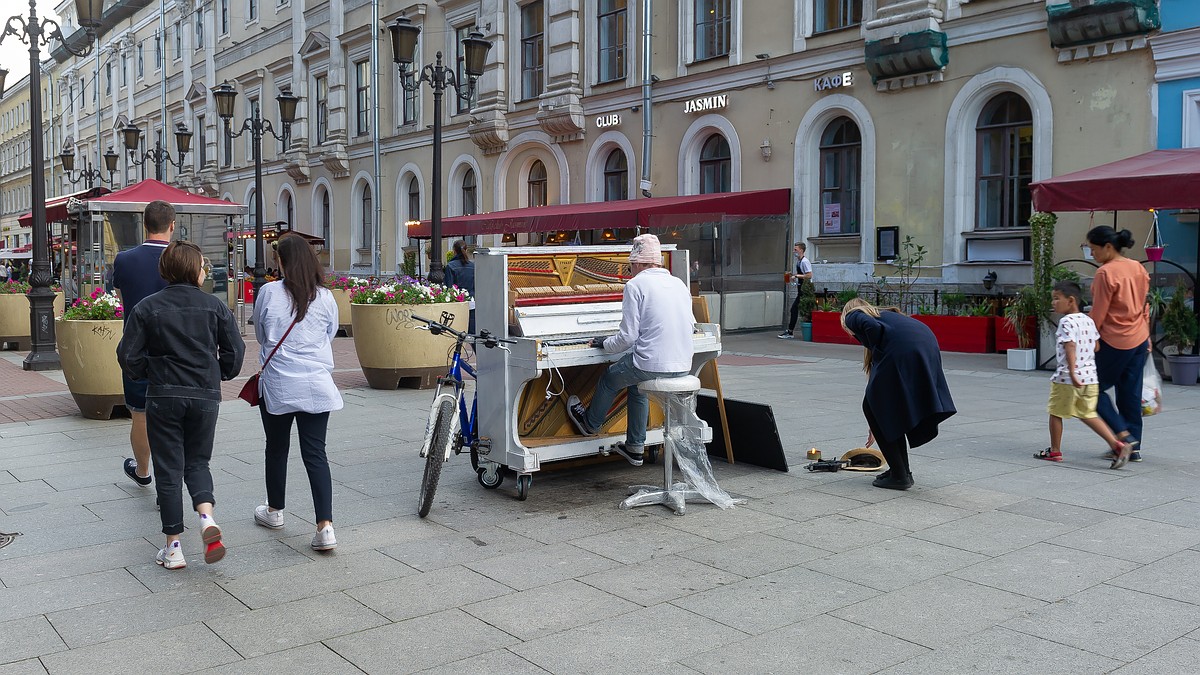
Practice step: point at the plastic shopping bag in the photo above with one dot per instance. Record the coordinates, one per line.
(1151, 389)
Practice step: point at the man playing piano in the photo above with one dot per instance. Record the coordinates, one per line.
(656, 332)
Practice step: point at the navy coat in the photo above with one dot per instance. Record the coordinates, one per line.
(907, 392)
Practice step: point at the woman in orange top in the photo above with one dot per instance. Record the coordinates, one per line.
(1122, 316)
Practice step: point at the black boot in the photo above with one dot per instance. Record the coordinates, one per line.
(890, 482)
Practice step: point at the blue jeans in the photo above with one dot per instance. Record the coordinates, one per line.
(624, 375)
(1121, 368)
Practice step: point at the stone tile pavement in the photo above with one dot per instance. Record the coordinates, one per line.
(994, 562)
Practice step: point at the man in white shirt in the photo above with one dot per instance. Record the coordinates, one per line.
(656, 330)
(803, 275)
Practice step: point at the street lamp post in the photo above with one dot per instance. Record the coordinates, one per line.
(404, 46)
(225, 96)
(38, 33)
(132, 136)
(88, 174)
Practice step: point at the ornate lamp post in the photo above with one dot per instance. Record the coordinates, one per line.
(225, 97)
(132, 135)
(88, 174)
(37, 34)
(404, 46)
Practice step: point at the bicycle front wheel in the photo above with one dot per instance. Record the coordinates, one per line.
(436, 458)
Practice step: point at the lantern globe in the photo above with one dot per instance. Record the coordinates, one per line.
(67, 157)
(131, 136)
(475, 50)
(225, 96)
(404, 40)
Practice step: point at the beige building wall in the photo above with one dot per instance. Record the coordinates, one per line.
(918, 147)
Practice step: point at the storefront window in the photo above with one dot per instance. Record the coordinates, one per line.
(712, 28)
(537, 184)
(1004, 163)
(841, 177)
(716, 172)
(616, 177)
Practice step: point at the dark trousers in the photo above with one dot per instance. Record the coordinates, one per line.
(1121, 368)
(311, 428)
(895, 451)
(181, 434)
(795, 314)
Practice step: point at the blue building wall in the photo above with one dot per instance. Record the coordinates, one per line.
(1179, 14)
(1180, 238)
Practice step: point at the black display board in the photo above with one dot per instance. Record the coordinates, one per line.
(752, 428)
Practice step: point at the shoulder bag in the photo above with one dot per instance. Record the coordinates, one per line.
(249, 392)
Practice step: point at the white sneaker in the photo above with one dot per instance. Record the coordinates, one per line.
(171, 558)
(324, 539)
(264, 516)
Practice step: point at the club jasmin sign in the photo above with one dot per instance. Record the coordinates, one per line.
(609, 120)
(845, 79)
(706, 103)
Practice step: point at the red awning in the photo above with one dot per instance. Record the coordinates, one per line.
(645, 213)
(135, 198)
(56, 208)
(1161, 179)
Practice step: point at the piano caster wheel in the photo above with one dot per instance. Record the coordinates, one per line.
(652, 455)
(523, 483)
(491, 481)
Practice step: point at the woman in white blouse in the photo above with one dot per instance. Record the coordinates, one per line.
(297, 384)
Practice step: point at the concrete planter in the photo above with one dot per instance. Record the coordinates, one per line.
(14, 318)
(88, 350)
(1021, 359)
(391, 351)
(342, 298)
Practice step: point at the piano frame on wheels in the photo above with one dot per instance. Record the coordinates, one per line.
(522, 392)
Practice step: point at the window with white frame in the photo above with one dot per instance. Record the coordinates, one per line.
(367, 215)
(841, 177)
(414, 199)
(178, 40)
(326, 219)
(713, 19)
(836, 14)
(199, 29)
(537, 184)
(108, 78)
(533, 49)
(321, 92)
(141, 60)
(613, 33)
(1004, 163)
(409, 107)
(470, 194)
(1191, 119)
(223, 17)
(158, 54)
(716, 165)
(124, 69)
(201, 142)
(460, 105)
(251, 10)
(362, 88)
(616, 176)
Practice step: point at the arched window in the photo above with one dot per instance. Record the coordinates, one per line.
(326, 220)
(414, 199)
(287, 211)
(1003, 163)
(367, 238)
(470, 195)
(537, 184)
(616, 176)
(716, 168)
(841, 177)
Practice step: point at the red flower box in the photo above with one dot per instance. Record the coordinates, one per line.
(1006, 339)
(971, 334)
(827, 327)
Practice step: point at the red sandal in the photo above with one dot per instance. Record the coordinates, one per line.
(1050, 455)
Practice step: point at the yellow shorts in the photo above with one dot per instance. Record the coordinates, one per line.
(1067, 401)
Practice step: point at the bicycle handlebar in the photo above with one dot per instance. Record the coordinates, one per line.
(483, 336)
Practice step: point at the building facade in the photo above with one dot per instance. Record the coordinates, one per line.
(15, 179)
(927, 116)
(1177, 76)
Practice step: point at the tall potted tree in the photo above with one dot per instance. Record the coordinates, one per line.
(88, 334)
(1179, 334)
(1021, 317)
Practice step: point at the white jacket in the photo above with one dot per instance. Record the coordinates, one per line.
(656, 321)
(300, 375)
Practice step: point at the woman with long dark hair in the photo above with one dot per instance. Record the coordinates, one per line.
(297, 385)
(460, 271)
(1122, 316)
(907, 396)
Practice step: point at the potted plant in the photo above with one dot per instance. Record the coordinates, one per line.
(14, 312)
(1154, 244)
(808, 303)
(390, 350)
(88, 334)
(1180, 333)
(1020, 321)
(342, 288)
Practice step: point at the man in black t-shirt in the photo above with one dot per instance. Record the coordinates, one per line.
(135, 277)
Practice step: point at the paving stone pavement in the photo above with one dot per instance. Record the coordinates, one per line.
(994, 562)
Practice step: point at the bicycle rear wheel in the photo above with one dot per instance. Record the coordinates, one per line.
(436, 457)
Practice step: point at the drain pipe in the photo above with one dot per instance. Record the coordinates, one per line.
(377, 254)
(647, 114)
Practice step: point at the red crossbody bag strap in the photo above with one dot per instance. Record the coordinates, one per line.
(272, 354)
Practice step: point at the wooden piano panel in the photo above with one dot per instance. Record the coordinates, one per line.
(540, 418)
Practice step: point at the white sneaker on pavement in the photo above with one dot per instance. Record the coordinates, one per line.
(171, 557)
(263, 515)
(324, 539)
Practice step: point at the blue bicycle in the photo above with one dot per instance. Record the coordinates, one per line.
(448, 433)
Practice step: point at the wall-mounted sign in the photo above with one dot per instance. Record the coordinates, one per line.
(706, 103)
(831, 222)
(845, 79)
(609, 120)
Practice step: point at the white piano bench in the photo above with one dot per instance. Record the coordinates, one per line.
(671, 494)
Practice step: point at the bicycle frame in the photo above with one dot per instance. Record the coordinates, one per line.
(466, 433)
